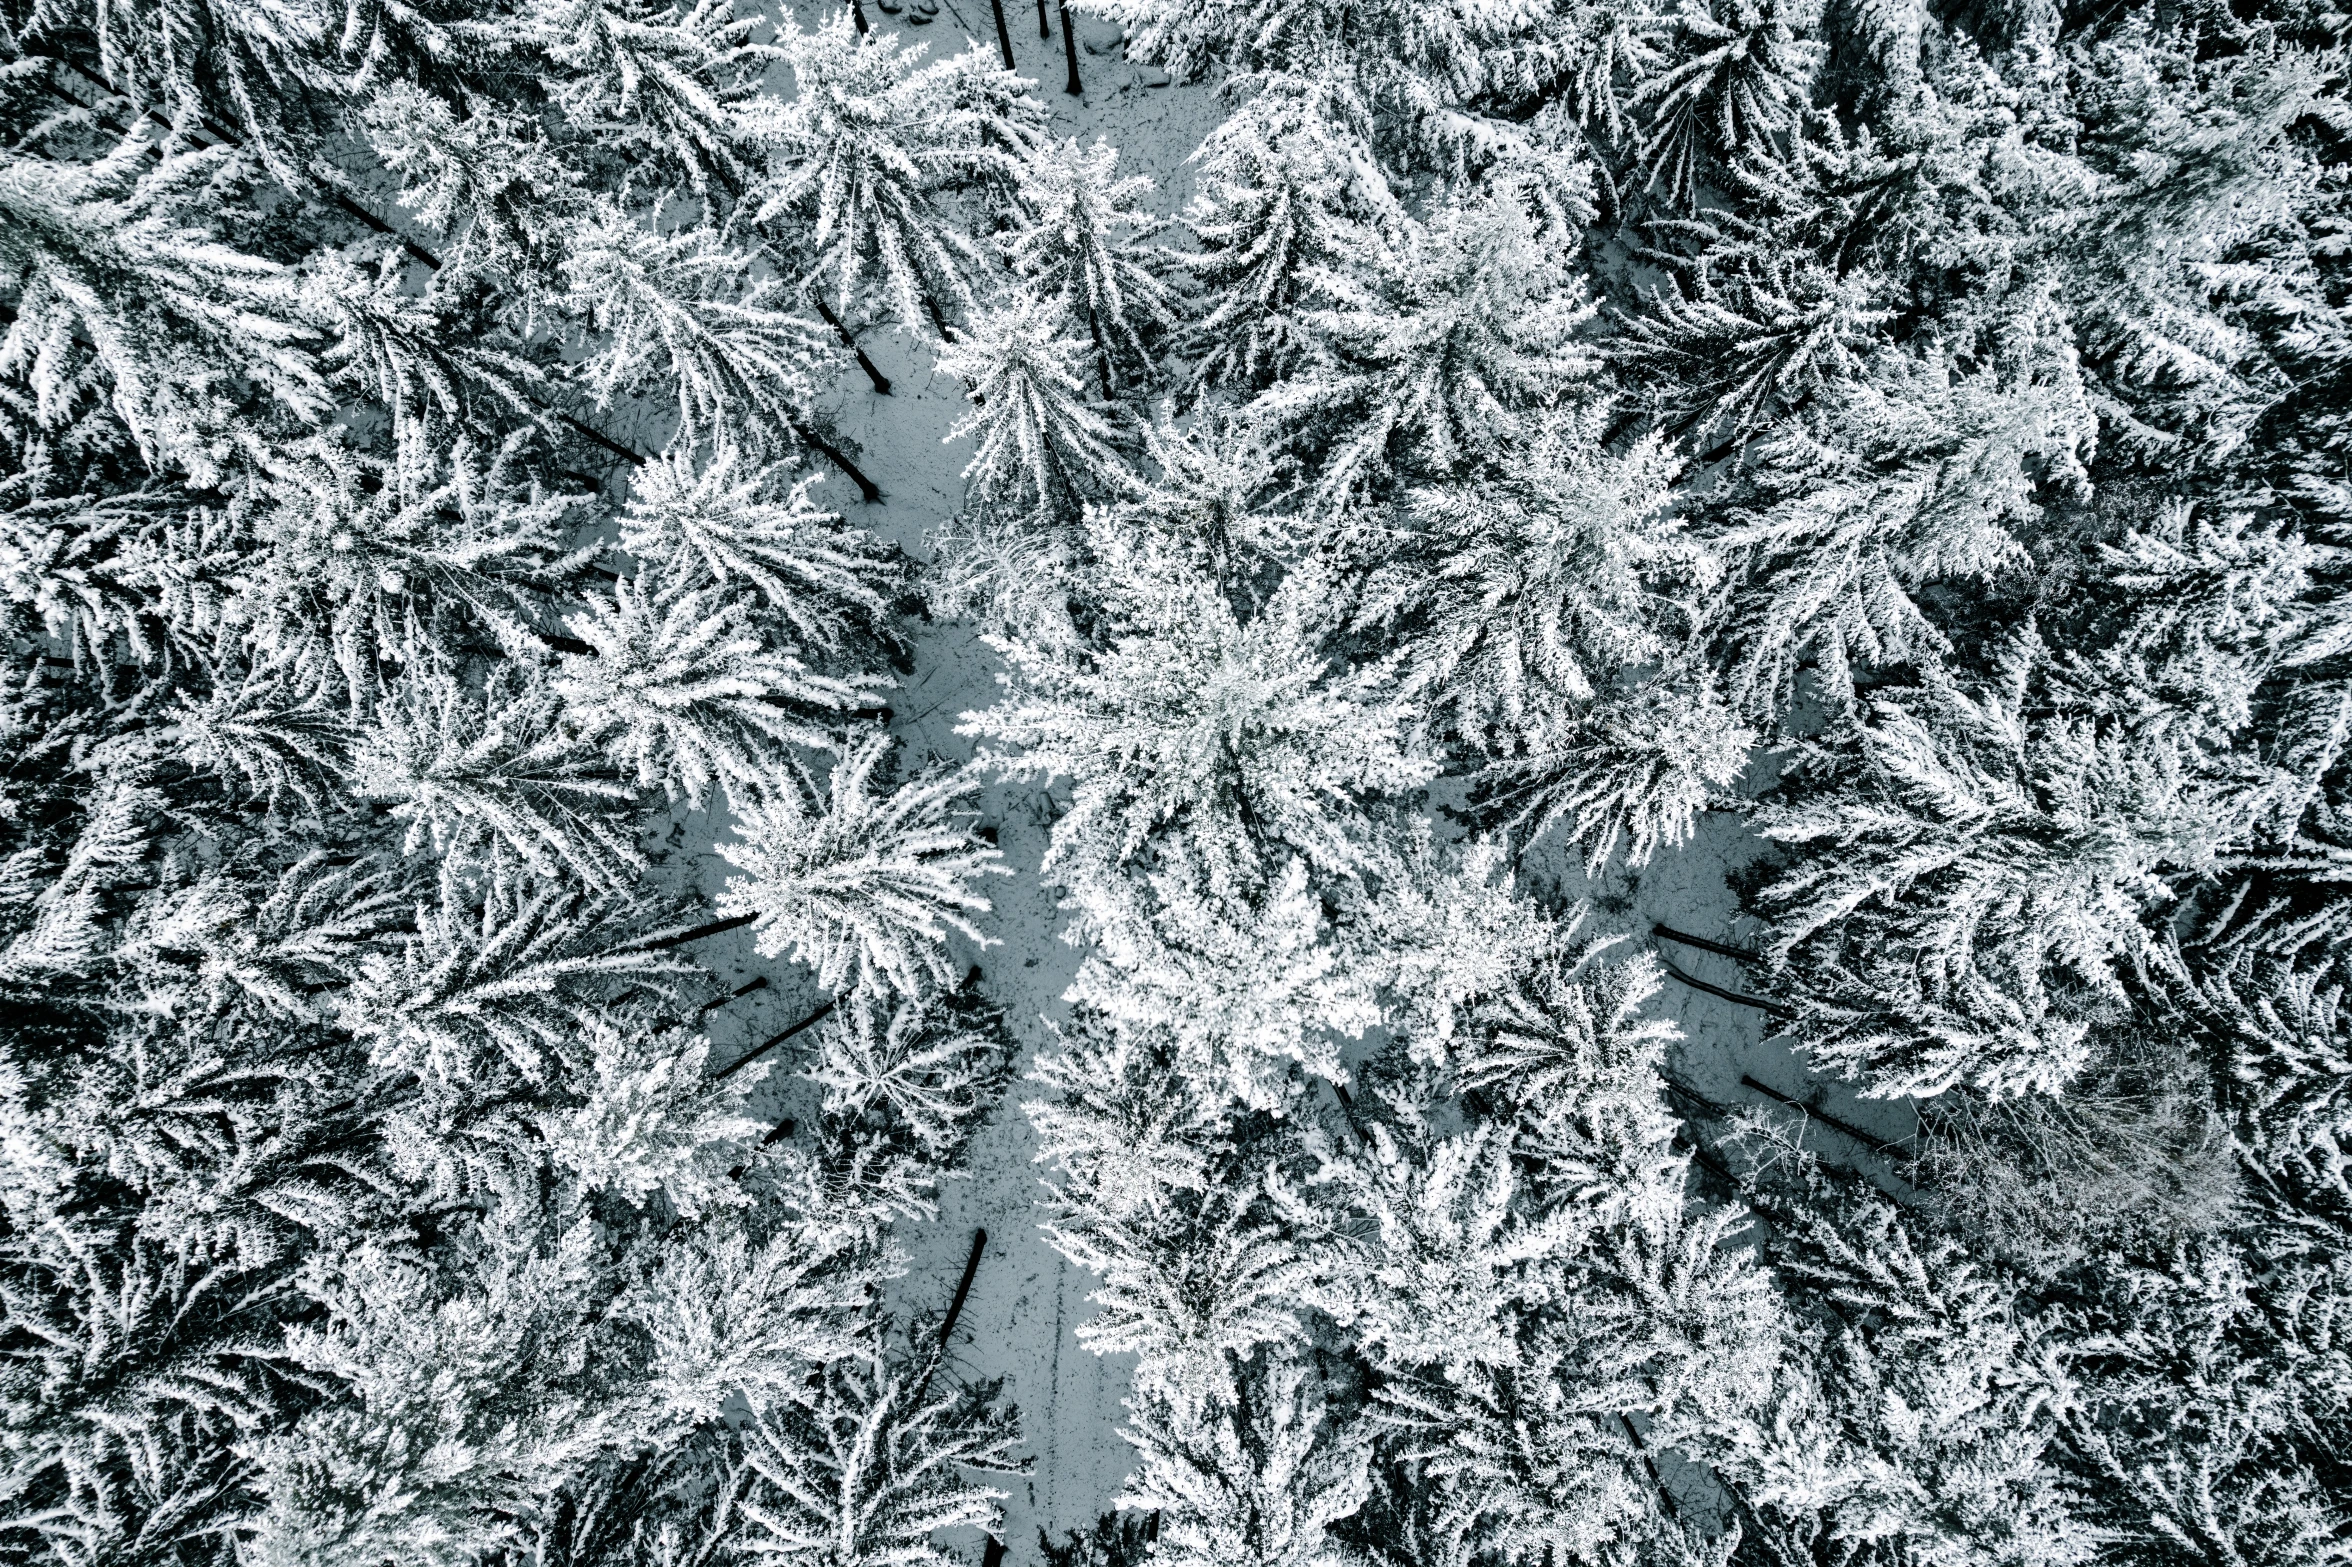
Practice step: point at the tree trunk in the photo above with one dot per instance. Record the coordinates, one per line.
(857, 14)
(737, 994)
(867, 488)
(1705, 1160)
(698, 933)
(1347, 1107)
(1070, 50)
(1665, 1497)
(1877, 1145)
(1102, 355)
(1758, 1002)
(749, 1056)
(1004, 39)
(1704, 945)
(627, 454)
(881, 381)
(1043, 31)
(955, 1307)
(938, 320)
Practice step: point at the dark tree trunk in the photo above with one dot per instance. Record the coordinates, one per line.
(938, 320)
(749, 1056)
(1705, 1160)
(881, 381)
(1878, 1145)
(955, 1307)
(1102, 355)
(1004, 39)
(867, 488)
(1070, 51)
(1704, 945)
(857, 14)
(1043, 31)
(627, 454)
(1665, 1497)
(1758, 1002)
(1347, 1107)
(737, 994)
(698, 933)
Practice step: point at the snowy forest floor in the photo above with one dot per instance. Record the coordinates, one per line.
(1026, 1301)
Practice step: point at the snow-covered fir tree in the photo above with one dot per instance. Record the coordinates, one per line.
(1081, 243)
(1042, 443)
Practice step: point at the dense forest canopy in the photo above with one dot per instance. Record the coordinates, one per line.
(1916, 434)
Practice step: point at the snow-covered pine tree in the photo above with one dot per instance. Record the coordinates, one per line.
(1910, 482)
(929, 1067)
(2208, 1405)
(499, 979)
(1635, 770)
(1431, 349)
(686, 312)
(115, 287)
(1254, 984)
(1194, 1295)
(1083, 244)
(1735, 81)
(1238, 736)
(863, 155)
(1427, 80)
(500, 198)
(1429, 1262)
(680, 690)
(1539, 1305)
(1979, 883)
(1044, 445)
(1261, 1481)
(668, 86)
(2189, 171)
(1924, 1414)
(433, 380)
(2272, 1001)
(1122, 1144)
(1279, 192)
(1210, 488)
(495, 774)
(722, 519)
(1158, 1198)
(1537, 587)
(1546, 609)
(865, 1466)
(859, 876)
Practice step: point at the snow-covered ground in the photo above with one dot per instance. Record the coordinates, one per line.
(1026, 1302)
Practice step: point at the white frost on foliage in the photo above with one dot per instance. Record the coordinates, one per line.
(862, 883)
